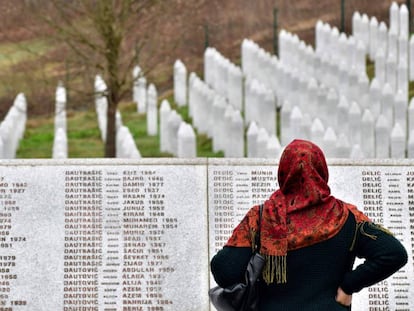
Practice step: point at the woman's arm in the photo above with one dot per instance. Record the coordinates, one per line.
(229, 265)
(383, 254)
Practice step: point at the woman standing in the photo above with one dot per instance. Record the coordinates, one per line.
(310, 240)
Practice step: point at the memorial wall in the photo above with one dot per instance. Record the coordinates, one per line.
(107, 234)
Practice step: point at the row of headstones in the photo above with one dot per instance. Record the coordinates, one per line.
(176, 136)
(315, 98)
(146, 99)
(364, 147)
(321, 101)
(60, 140)
(12, 127)
(388, 107)
(213, 115)
(125, 143)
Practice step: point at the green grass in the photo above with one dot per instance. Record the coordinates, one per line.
(84, 138)
(38, 139)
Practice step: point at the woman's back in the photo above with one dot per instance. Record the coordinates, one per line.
(314, 274)
(309, 239)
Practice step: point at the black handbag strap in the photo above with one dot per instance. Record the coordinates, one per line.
(259, 224)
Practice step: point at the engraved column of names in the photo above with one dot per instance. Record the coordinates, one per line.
(410, 193)
(372, 200)
(110, 284)
(224, 211)
(263, 184)
(372, 195)
(9, 209)
(242, 197)
(234, 193)
(396, 220)
(83, 238)
(145, 222)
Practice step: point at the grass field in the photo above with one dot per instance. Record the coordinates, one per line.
(84, 138)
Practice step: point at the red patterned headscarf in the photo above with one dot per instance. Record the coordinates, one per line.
(299, 214)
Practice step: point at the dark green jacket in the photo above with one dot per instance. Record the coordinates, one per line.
(314, 273)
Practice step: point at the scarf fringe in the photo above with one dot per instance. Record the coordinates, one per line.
(275, 269)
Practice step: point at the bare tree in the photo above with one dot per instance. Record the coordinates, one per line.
(101, 37)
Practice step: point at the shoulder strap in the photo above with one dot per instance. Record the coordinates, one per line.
(259, 223)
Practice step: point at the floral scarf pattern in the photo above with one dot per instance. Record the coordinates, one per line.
(302, 212)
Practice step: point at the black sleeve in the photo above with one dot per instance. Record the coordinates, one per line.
(383, 255)
(229, 265)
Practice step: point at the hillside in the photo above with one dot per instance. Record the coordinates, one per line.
(181, 32)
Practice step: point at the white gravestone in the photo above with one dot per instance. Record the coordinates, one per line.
(1, 148)
(60, 144)
(141, 95)
(187, 144)
(375, 97)
(173, 124)
(342, 115)
(317, 131)
(219, 107)
(262, 142)
(368, 134)
(152, 111)
(274, 149)
(411, 116)
(382, 138)
(237, 135)
(411, 60)
(380, 66)
(391, 72)
(101, 105)
(13, 126)
(296, 118)
(252, 133)
(404, 21)
(125, 144)
(410, 146)
(60, 107)
(235, 87)
(373, 37)
(354, 117)
(328, 144)
(343, 146)
(398, 141)
(285, 127)
(394, 18)
(387, 104)
(180, 83)
(165, 110)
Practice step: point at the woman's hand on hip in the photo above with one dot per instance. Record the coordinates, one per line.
(343, 298)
